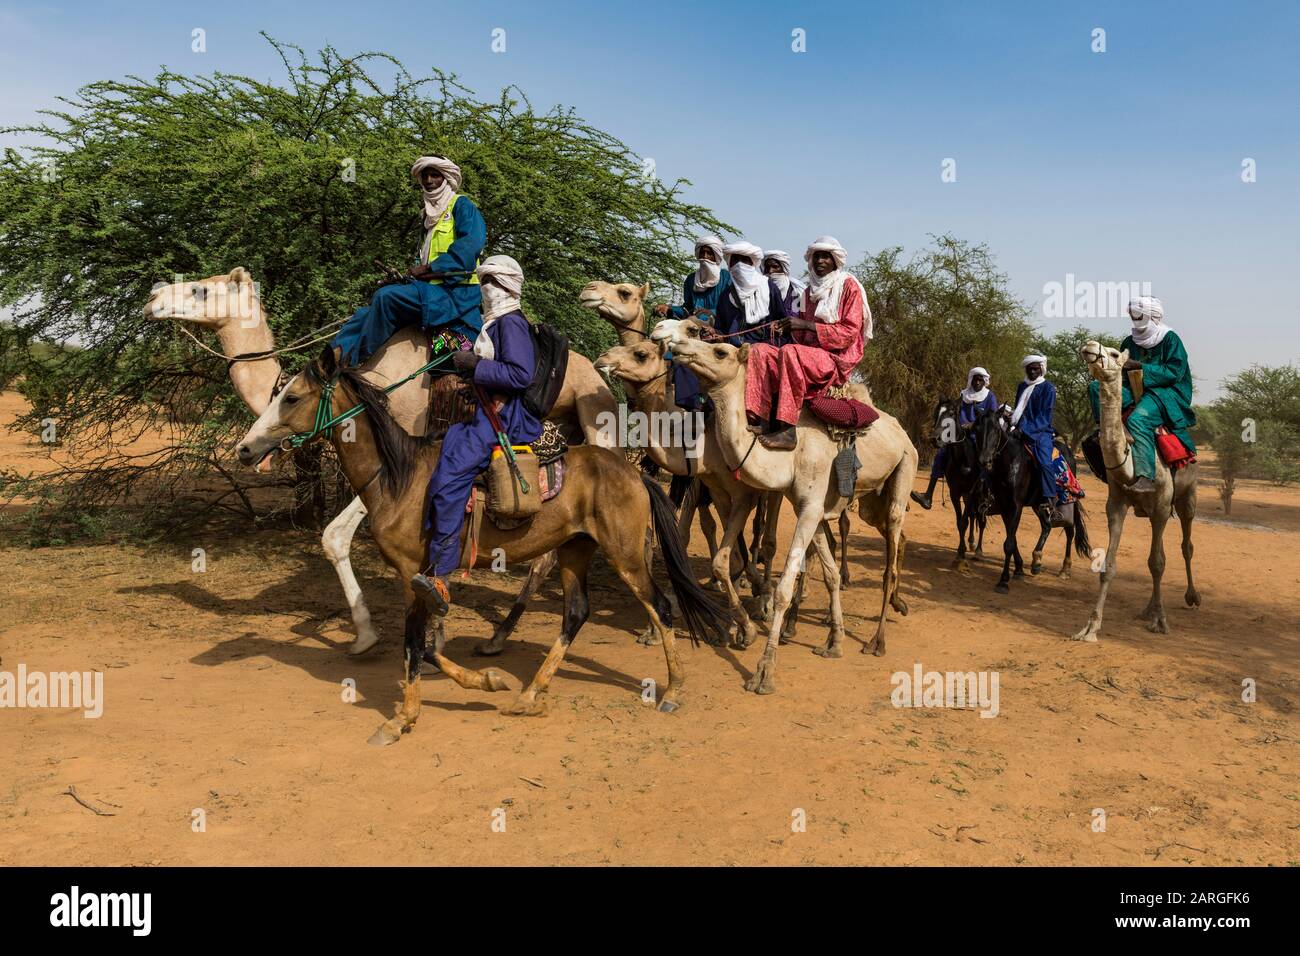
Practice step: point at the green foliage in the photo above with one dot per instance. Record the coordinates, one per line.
(935, 316)
(1073, 416)
(305, 183)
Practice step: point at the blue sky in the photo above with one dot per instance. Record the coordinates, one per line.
(1122, 166)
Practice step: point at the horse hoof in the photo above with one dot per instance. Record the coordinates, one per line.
(668, 706)
(899, 605)
(490, 648)
(495, 680)
(385, 736)
(363, 643)
(1035, 569)
(1002, 588)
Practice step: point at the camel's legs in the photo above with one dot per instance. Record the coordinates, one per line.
(537, 573)
(574, 559)
(1185, 505)
(895, 599)
(834, 646)
(1116, 511)
(767, 552)
(1154, 613)
(844, 548)
(337, 542)
(810, 518)
(732, 536)
(1044, 531)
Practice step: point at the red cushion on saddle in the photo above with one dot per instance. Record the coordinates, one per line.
(1172, 450)
(842, 412)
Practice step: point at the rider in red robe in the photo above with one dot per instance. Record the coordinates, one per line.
(829, 334)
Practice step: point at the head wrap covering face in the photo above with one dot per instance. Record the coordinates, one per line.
(1023, 401)
(823, 292)
(437, 200)
(783, 279)
(1148, 315)
(502, 282)
(968, 394)
(752, 287)
(708, 273)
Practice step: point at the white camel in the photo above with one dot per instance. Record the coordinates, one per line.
(805, 477)
(229, 305)
(1174, 492)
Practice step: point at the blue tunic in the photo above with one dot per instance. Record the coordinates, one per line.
(452, 303)
(686, 387)
(467, 449)
(1036, 427)
(730, 319)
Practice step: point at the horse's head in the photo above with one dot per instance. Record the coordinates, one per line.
(947, 423)
(293, 411)
(714, 363)
(989, 437)
(619, 303)
(635, 364)
(211, 302)
(1103, 362)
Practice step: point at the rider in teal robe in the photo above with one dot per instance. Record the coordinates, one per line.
(1166, 387)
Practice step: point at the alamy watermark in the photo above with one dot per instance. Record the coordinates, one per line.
(1085, 299)
(662, 429)
(959, 689)
(82, 690)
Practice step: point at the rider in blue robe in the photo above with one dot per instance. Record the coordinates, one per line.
(742, 312)
(501, 366)
(702, 289)
(1032, 419)
(452, 242)
(976, 397)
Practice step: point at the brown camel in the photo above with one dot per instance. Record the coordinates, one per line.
(804, 476)
(229, 305)
(604, 504)
(1175, 492)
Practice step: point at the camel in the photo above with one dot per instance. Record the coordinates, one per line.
(229, 305)
(804, 476)
(604, 503)
(1175, 492)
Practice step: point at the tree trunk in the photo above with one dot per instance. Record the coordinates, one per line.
(1225, 494)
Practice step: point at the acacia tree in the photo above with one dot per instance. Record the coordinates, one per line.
(935, 316)
(305, 182)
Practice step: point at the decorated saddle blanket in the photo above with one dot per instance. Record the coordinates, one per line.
(1067, 482)
(838, 408)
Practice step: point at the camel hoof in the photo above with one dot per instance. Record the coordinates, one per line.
(649, 638)
(830, 650)
(1064, 573)
(761, 682)
(526, 708)
(1087, 636)
(1002, 588)
(1192, 597)
(1158, 626)
(363, 643)
(668, 706)
(387, 735)
(876, 648)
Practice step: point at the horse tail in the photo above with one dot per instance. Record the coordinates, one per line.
(1081, 545)
(705, 617)
(677, 490)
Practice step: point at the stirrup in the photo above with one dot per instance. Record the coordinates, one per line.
(433, 593)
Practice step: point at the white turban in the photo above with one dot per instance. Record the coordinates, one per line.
(708, 273)
(1148, 315)
(1028, 390)
(437, 200)
(752, 288)
(968, 394)
(782, 279)
(824, 291)
(500, 296)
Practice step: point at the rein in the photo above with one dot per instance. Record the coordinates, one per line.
(325, 423)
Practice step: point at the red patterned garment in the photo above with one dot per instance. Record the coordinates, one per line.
(821, 358)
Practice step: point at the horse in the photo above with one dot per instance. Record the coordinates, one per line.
(961, 474)
(605, 503)
(1013, 480)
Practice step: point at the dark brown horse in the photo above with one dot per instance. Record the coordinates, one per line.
(604, 503)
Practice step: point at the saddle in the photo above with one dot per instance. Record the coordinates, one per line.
(1065, 476)
(547, 455)
(845, 417)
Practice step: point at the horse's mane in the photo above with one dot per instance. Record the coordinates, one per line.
(398, 451)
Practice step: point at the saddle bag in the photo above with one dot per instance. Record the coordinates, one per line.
(509, 500)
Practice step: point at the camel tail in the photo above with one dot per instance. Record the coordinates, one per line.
(1081, 545)
(705, 617)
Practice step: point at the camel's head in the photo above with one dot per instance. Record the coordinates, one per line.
(633, 364)
(714, 363)
(674, 331)
(292, 411)
(1103, 362)
(212, 302)
(620, 303)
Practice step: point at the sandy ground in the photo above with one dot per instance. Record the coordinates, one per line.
(224, 693)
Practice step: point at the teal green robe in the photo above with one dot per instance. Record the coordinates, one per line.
(1166, 398)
